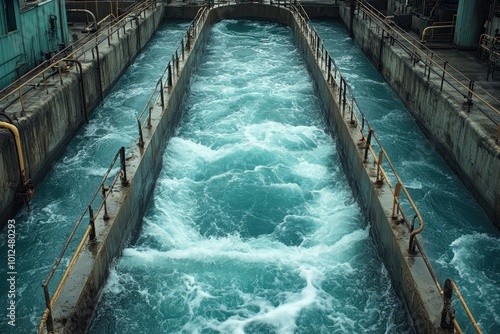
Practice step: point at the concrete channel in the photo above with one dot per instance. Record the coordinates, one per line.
(70, 308)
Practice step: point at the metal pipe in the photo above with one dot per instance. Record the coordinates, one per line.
(424, 32)
(20, 157)
(96, 25)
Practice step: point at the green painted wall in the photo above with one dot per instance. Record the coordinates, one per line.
(24, 48)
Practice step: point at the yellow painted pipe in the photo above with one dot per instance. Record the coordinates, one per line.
(19, 149)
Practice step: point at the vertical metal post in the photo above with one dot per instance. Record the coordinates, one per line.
(177, 61)
(329, 67)
(368, 143)
(162, 95)
(21, 99)
(149, 117)
(123, 167)
(92, 224)
(49, 322)
(103, 192)
(182, 48)
(380, 179)
(448, 313)
(141, 138)
(444, 72)
(469, 95)
(60, 73)
(396, 201)
(169, 74)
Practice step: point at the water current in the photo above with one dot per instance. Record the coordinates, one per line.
(66, 190)
(459, 239)
(253, 227)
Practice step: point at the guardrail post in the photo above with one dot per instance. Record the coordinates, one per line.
(123, 167)
(380, 179)
(141, 138)
(395, 203)
(49, 321)
(92, 225)
(367, 145)
(169, 79)
(103, 192)
(444, 72)
(182, 48)
(448, 313)
(162, 96)
(469, 95)
(177, 61)
(412, 237)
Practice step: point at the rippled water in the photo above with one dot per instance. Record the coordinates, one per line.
(253, 227)
(459, 239)
(66, 190)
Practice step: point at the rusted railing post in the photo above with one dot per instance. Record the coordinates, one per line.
(141, 138)
(103, 192)
(92, 224)
(169, 79)
(380, 179)
(367, 145)
(395, 203)
(448, 313)
(123, 167)
(444, 72)
(49, 321)
(162, 96)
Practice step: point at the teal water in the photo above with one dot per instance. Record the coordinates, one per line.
(253, 227)
(458, 237)
(66, 190)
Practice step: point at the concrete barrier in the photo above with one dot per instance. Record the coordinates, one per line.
(459, 136)
(52, 119)
(127, 203)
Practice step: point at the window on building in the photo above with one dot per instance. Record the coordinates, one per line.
(10, 15)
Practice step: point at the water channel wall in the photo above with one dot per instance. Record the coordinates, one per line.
(459, 136)
(79, 297)
(52, 119)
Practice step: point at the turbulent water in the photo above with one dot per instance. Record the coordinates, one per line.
(253, 227)
(64, 193)
(458, 237)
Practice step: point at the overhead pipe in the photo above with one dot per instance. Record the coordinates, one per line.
(96, 25)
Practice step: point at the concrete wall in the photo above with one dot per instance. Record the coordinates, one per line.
(127, 204)
(52, 119)
(464, 144)
(80, 294)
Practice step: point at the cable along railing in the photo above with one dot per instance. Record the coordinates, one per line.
(404, 209)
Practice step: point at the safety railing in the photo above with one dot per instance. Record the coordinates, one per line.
(41, 75)
(450, 77)
(172, 72)
(88, 234)
(404, 209)
(448, 28)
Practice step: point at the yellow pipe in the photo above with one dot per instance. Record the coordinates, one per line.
(19, 149)
(424, 32)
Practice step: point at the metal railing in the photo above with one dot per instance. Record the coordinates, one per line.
(172, 72)
(385, 170)
(449, 76)
(89, 233)
(40, 75)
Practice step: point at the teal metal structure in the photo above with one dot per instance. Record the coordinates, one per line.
(30, 31)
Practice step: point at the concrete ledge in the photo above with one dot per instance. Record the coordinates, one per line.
(80, 295)
(51, 120)
(460, 137)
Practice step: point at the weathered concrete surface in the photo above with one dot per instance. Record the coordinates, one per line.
(51, 120)
(465, 140)
(79, 298)
(127, 204)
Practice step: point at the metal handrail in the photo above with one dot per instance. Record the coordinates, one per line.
(432, 28)
(88, 234)
(172, 70)
(347, 102)
(432, 62)
(32, 78)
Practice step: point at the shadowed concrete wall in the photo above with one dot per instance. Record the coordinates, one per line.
(458, 135)
(51, 120)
